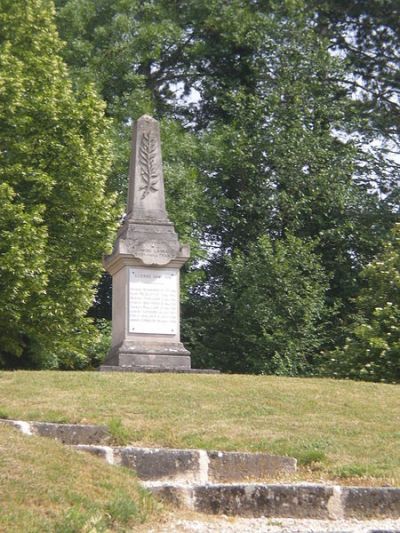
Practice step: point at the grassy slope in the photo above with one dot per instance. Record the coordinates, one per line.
(339, 430)
(45, 486)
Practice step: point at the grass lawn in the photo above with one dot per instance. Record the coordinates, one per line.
(47, 487)
(342, 431)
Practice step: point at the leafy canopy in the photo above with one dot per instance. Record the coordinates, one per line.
(267, 317)
(278, 138)
(372, 349)
(56, 219)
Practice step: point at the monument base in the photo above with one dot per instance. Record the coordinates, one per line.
(170, 356)
(149, 370)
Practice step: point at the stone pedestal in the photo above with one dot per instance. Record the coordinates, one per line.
(145, 266)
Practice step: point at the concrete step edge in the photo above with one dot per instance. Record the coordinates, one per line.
(65, 433)
(195, 481)
(167, 464)
(194, 466)
(302, 500)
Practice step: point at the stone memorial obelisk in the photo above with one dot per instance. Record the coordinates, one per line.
(145, 265)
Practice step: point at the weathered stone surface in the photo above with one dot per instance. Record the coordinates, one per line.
(146, 200)
(71, 433)
(371, 502)
(162, 464)
(145, 266)
(251, 500)
(201, 466)
(284, 501)
(24, 427)
(296, 501)
(235, 466)
(173, 357)
(152, 244)
(151, 370)
(105, 452)
(184, 479)
(66, 433)
(191, 466)
(180, 497)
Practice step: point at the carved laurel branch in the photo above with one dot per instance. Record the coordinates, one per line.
(149, 174)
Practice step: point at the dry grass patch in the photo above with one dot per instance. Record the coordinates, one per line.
(341, 431)
(47, 487)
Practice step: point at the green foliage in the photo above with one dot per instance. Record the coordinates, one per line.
(22, 265)
(371, 76)
(267, 318)
(310, 457)
(324, 421)
(274, 165)
(135, 37)
(122, 508)
(55, 220)
(119, 434)
(185, 199)
(372, 350)
(266, 134)
(354, 471)
(100, 345)
(68, 492)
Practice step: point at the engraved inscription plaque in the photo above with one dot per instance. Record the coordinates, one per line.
(153, 300)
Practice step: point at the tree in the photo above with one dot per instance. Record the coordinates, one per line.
(56, 220)
(367, 34)
(280, 137)
(372, 349)
(267, 317)
(117, 46)
(278, 160)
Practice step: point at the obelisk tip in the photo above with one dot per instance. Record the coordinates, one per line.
(146, 118)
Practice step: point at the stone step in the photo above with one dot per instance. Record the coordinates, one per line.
(65, 433)
(313, 501)
(197, 480)
(165, 464)
(195, 466)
